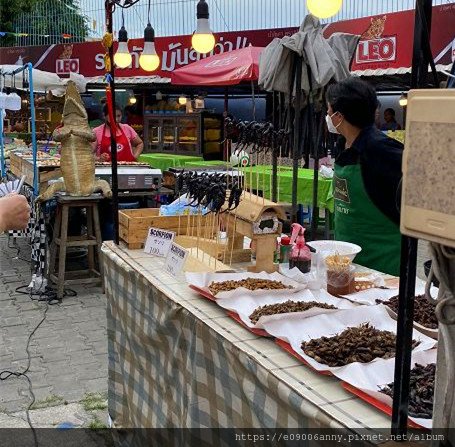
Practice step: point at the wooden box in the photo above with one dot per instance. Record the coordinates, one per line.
(20, 166)
(134, 225)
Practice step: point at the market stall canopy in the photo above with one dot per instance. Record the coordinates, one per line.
(327, 59)
(223, 69)
(43, 81)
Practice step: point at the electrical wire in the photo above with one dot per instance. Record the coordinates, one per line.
(49, 296)
(6, 374)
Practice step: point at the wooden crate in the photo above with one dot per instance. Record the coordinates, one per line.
(16, 164)
(134, 225)
(20, 166)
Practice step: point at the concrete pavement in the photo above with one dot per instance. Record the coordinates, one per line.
(68, 351)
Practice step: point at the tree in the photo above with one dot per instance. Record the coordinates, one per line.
(52, 18)
(9, 12)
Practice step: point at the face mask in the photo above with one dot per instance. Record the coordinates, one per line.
(332, 128)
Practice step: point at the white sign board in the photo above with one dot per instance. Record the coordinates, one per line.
(175, 260)
(159, 242)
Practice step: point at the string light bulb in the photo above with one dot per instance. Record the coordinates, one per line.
(149, 59)
(323, 9)
(122, 57)
(132, 100)
(403, 101)
(203, 40)
(183, 100)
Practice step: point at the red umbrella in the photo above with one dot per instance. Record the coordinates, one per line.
(224, 69)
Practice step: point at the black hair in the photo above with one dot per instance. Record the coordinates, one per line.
(355, 99)
(391, 111)
(106, 109)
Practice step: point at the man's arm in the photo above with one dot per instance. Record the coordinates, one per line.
(14, 212)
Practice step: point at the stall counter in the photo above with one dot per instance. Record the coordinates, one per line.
(166, 161)
(177, 360)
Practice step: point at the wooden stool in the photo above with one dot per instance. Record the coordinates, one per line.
(61, 241)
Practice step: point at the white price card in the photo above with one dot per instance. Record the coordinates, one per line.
(175, 259)
(159, 242)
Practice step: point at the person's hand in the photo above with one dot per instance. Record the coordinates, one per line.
(14, 212)
(105, 157)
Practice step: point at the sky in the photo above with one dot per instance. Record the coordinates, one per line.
(175, 17)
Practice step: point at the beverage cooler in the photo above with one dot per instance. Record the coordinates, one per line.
(185, 134)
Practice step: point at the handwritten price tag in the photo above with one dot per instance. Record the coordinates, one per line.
(175, 259)
(159, 242)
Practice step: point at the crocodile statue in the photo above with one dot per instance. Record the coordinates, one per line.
(77, 161)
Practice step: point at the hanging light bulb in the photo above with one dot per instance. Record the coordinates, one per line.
(122, 57)
(203, 40)
(13, 102)
(149, 60)
(403, 101)
(132, 100)
(324, 9)
(158, 96)
(183, 100)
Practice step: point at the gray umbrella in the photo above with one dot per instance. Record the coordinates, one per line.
(327, 59)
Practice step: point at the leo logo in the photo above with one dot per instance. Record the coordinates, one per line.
(376, 50)
(374, 46)
(66, 66)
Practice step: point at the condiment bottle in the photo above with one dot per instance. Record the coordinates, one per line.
(285, 249)
(300, 255)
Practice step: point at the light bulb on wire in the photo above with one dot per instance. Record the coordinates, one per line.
(183, 100)
(149, 59)
(203, 40)
(403, 101)
(323, 9)
(122, 57)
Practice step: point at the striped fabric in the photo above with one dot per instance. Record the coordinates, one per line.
(176, 360)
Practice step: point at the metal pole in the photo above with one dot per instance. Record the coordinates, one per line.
(408, 264)
(109, 27)
(33, 124)
(274, 151)
(404, 335)
(297, 81)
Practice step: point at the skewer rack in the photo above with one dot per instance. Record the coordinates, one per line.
(255, 218)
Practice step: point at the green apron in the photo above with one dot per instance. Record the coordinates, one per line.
(359, 221)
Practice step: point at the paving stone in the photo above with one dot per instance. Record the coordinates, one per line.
(9, 390)
(41, 393)
(50, 356)
(90, 371)
(95, 385)
(14, 405)
(68, 351)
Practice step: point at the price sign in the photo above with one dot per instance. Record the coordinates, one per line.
(159, 242)
(175, 259)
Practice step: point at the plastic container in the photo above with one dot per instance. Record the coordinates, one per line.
(300, 254)
(304, 265)
(285, 249)
(341, 282)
